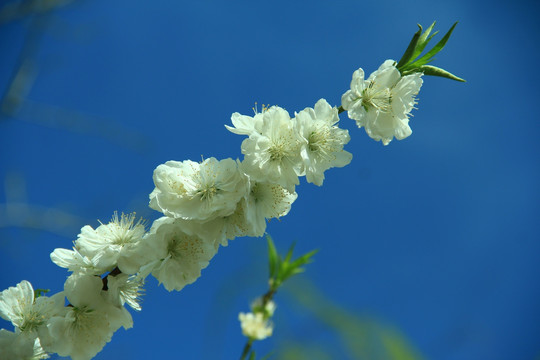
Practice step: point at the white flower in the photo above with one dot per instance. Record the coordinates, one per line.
(85, 326)
(266, 201)
(255, 326)
(183, 248)
(123, 288)
(262, 201)
(27, 314)
(77, 263)
(273, 154)
(199, 191)
(382, 103)
(231, 226)
(111, 244)
(16, 346)
(20, 346)
(246, 125)
(323, 141)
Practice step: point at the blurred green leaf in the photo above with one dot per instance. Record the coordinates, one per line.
(282, 269)
(363, 338)
(272, 257)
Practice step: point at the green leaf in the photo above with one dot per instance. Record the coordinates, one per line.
(273, 258)
(407, 55)
(252, 355)
(435, 71)
(304, 259)
(434, 51)
(431, 37)
(289, 254)
(423, 41)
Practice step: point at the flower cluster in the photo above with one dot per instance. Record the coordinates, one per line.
(382, 103)
(204, 205)
(256, 325)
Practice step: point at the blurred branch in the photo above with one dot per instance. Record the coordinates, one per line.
(37, 217)
(17, 212)
(78, 122)
(14, 103)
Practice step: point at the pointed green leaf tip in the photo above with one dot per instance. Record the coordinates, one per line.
(435, 71)
(436, 49)
(423, 40)
(410, 49)
(410, 63)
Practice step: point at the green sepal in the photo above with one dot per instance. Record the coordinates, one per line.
(40, 292)
(435, 71)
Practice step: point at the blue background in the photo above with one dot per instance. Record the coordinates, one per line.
(429, 247)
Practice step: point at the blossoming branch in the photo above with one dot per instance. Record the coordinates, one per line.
(204, 205)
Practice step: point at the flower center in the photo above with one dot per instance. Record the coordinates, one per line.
(256, 193)
(317, 140)
(207, 192)
(376, 98)
(31, 321)
(277, 151)
(183, 246)
(84, 318)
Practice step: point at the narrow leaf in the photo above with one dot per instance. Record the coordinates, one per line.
(252, 355)
(435, 71)
(304, 259)
(432, 35)
(410, 49)
(436, 49)
(423, 40)
(289, 254)
(272, 257)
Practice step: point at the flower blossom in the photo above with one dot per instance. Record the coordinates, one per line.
(84, 327)
(197, 191)
(181, 249)
(266, 201)
(28, 314)
(272, 151)
(323, 141)
(255, 325)
(109, 245)
(123, 288)
(382, 103)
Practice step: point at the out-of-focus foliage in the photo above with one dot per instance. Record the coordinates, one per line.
(361, 337)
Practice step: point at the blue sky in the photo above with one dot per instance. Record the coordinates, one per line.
(434, 237)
